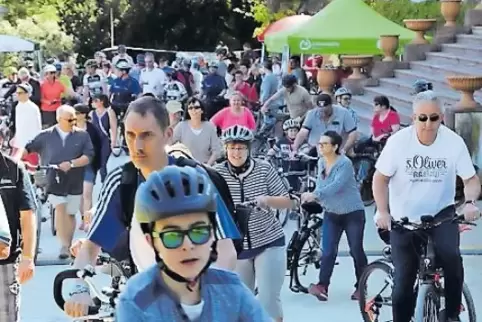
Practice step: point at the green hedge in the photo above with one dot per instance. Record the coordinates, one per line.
(397, 10)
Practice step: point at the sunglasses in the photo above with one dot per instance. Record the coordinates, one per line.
(193, 107)
(71, 120)
(173, 239)
(52, 73)
(424, 118)
(20, 93)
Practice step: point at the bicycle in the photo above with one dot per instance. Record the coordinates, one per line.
(105, 301)
(429, 286)
(309, 232)
(40, 181)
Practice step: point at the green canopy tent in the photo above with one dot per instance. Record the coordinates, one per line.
(342, 27)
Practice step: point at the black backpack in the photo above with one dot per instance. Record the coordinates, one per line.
(128, 190)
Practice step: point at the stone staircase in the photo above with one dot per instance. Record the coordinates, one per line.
(462, 57)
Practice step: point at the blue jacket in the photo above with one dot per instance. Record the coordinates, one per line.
(226, 299)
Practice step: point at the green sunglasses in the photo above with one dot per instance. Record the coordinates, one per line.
(172, 239)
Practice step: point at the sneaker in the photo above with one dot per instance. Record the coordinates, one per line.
(320, 291)
(64, 253)
(355, 296)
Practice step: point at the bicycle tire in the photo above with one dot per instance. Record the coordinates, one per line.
(52, 220)
(38, 213)
(470, 303)
(425, 293)
(303, 238)
(362, 285)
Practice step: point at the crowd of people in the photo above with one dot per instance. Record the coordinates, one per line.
(148, 206)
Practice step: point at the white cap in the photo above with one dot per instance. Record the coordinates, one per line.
(50, 69)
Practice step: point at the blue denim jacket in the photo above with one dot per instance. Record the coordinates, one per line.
(338, 191)
(226, 299)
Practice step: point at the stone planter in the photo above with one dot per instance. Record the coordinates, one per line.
(356, 63)
(420, 26)
(326, 78)
(450, 10)
(467, 85)
(389, 46)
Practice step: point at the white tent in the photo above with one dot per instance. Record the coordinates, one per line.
(15, 44)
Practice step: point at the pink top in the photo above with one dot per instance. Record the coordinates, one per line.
(225, 119)
(385, 126)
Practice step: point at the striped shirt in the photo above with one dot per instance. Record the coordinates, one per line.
(261, 179)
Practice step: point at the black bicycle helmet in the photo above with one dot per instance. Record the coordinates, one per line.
(289, 80)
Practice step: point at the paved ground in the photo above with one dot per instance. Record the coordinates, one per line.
(38, 304)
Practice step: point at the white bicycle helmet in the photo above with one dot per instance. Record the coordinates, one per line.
(342, 91)
(291, 124)
(237, 133)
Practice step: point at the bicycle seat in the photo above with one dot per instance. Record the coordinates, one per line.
(427, 219)
(312, 207)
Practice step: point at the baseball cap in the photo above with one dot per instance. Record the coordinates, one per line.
(323, 100)
(50, 69)
(173, 107)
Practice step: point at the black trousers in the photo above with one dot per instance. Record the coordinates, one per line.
(405, 248)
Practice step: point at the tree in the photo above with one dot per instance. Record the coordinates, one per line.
(42, 29)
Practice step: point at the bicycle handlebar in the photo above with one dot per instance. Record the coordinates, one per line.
(428, 223)
(46, 167)
(73, 274)
(306, 156)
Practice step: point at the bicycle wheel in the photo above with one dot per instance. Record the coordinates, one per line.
(467, 307)
(370, 305)
(52, 220)
(427, 307)
(38, 213)
(306, 255)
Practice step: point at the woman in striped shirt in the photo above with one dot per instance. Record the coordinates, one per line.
(263, 259)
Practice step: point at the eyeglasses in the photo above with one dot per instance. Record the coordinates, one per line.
(232, 148)
(71, 120)
(20, 93)
(424, 118)
(173, 239)
(346, 99)
(52, 73)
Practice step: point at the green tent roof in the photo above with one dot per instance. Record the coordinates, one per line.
(342, 27)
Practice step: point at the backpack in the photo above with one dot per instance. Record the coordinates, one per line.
(186, 79)
(128, 188)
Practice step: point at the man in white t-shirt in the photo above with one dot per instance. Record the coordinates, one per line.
(152, 79)
(417, 170)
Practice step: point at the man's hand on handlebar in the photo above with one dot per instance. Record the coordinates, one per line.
(4, 250)
(308, 197)
(383, 220)
(471, 212)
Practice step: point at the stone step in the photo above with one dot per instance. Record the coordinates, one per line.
(438, 80)
(446, 69)
(404, 86)
(463, 50)
(401, 102)
(470, 39)
(444, 58)
(477, 30)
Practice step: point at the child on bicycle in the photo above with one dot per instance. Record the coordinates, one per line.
(177, 206)
(282, 150)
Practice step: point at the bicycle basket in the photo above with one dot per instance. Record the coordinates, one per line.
(40, 178)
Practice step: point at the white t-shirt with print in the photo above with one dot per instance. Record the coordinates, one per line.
(422, 178)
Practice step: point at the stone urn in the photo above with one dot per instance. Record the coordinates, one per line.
(389, 45)
(356, 63)
(450, 10)
(326, 78)
(467, 85)
(420, 26)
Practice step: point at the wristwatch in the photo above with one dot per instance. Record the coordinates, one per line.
(72, 164)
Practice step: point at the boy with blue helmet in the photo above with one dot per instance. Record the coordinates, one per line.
(175, 203)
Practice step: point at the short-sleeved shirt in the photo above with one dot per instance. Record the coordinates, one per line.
(17, 195)
(340, 121)
(95, 83)
(123, 90)
(51, 91)
(385, 127)
(213, 85)
(297, 101)
(226, 118)
(108, 229)
(419, 172)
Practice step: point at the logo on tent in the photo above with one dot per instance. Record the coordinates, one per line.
(305, 44)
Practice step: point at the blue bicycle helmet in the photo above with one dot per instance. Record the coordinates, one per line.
(123, 65)
(421, 85)
(174, 191)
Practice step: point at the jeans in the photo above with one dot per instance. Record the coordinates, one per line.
(353, 224)
(405, 248)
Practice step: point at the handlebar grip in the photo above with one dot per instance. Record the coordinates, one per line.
(58, 283)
